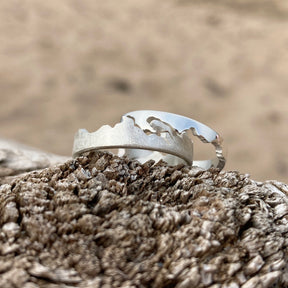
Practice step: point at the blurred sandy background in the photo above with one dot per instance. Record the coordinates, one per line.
(69, 64)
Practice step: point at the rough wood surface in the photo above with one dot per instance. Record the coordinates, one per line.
(16, 158)
(103, 221)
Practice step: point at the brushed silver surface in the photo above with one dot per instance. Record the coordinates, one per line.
(148, 134)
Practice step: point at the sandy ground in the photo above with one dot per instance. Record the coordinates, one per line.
(74, 64)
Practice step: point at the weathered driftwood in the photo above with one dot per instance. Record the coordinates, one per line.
(103, 221)
(17, 158)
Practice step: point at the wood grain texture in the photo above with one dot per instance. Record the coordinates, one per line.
(104, 221)
(16, 158)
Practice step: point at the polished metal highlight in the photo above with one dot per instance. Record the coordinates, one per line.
(183, 124)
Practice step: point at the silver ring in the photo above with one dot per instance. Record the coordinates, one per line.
(156, 135)
(182, 125)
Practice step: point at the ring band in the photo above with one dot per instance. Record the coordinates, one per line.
(147, 134)
(183, 124)
(126, 135)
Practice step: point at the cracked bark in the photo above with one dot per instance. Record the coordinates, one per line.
(102, 220)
